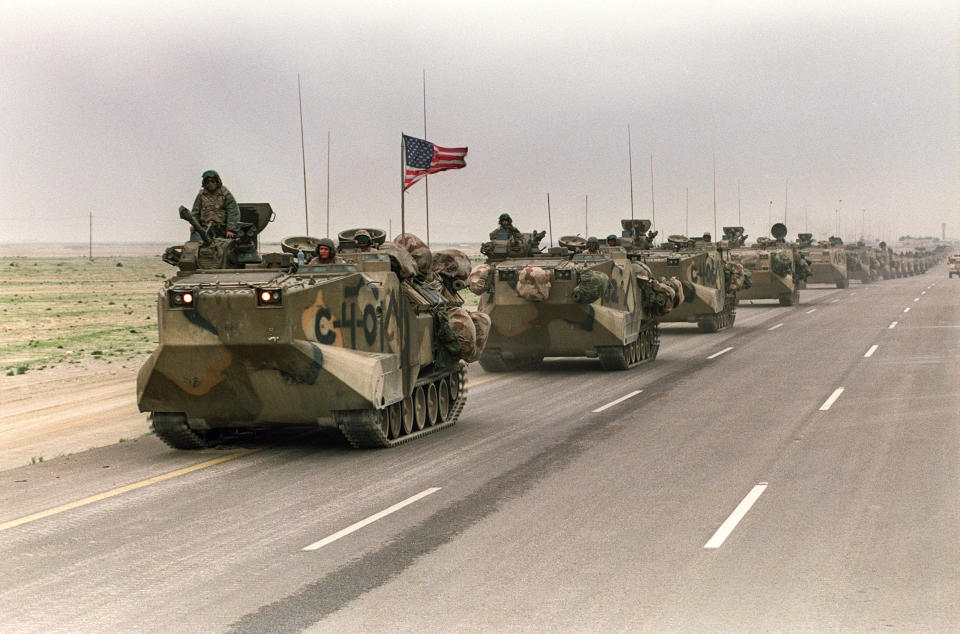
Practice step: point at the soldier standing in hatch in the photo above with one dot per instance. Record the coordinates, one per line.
(363, 240)
(505, 224)
(593, 245)
(326, 253)
(216, 208)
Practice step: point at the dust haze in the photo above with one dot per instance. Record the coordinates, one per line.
(821, 113)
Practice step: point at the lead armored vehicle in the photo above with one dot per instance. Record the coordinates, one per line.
(828, 262)
(710, 283)
(953, 266)
(776, 268)
(567, 302)
(373, 344)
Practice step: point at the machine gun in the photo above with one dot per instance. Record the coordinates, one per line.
(195, 223)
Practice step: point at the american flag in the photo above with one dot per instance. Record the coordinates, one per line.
(423, 157)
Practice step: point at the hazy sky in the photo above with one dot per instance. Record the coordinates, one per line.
(116, 108)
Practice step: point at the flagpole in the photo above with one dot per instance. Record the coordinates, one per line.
(303, 156)
(403, 150)
(426, 179)
(549, 221)
(630, 153)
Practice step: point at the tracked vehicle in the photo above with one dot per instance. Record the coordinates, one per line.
(567, 303)
(709, 283)
(364, 345)
(862, 263)
(776, 268)
(828, 262)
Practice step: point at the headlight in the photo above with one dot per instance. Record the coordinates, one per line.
(181, 298)
(268, 297)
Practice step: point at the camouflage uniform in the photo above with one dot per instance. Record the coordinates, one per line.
(217, 210)
(512, 232)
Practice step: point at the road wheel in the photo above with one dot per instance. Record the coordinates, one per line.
(406, 415)
(419, 408)
(433, 404)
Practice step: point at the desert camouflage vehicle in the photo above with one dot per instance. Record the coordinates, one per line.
(828, 261)
(953, 266)
(862, 263)
(710, 283)
(776, 268)
(567, 303)
(375, 344)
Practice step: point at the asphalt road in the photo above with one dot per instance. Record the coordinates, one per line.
(799, 472)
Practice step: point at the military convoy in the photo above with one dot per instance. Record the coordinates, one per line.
(710, 282)
(777, 269)
(375, 344)
(568, 301)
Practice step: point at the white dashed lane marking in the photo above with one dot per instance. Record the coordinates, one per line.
(616, 402)
(738, 514)
(370, 520)
(893, 324)
(775, 327)
(870, 352)
(717, 354)
(833, 398)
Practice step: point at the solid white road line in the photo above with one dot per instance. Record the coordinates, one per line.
(812, 310)
(616, 402)
(907, 309)
(738, 513)
(775, 327)
(893, 324)
(870, 352)
(370, 520)
(833, 397)
(717, 354)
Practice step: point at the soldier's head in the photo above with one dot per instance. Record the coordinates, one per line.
(363, 240)
(593, 245)
(612, 240)
(326, 249)
(210, 181)
(505, 220)
(707, 237)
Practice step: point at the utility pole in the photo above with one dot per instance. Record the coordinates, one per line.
(630, 152)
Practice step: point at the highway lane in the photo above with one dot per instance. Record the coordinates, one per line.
(548, 515)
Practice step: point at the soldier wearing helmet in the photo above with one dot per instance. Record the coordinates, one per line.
(593, 245)
(363, 240)
(326, 253)
(216, 207)
(505, 229)
(613, 240)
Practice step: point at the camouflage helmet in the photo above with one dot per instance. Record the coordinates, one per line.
(208, 175)
(326, 242)
(592, 240)
(504, 217)
(612, 239)
(362, 233)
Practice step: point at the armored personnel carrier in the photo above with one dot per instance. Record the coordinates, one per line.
(710, 283)
(862, 263)
(776, 268)
(567, 303)
(372, 343)
(828, 262)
